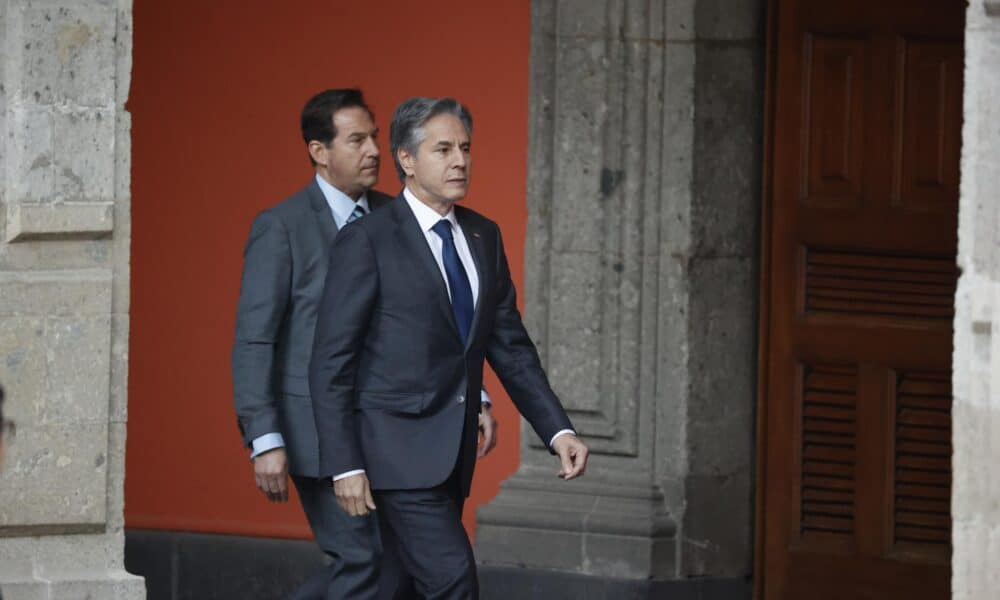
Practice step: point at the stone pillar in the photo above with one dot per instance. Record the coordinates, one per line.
(64, 294)
(976, 378)
(641, 289)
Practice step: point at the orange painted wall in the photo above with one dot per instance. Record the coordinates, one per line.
(216, 92)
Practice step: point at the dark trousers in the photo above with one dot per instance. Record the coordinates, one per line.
(426, 526)
(362, 566)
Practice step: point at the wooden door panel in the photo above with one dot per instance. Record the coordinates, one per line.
(924, 233)
(929, 92)
(834, 117)
(825, 578)
(853, 284)
(862, 240)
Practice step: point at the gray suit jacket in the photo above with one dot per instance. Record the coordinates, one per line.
(284, 268)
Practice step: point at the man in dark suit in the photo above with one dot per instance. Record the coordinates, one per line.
(424, 295)
(285, 265)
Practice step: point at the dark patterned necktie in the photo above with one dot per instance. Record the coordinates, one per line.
(358, 212)
(458, 280)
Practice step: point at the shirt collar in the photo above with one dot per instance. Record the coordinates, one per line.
(340, 203)
(427, 217)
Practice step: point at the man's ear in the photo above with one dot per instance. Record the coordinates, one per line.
(405, 161)
(319, 152)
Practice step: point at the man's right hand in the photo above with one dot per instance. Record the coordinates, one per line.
(354, 495)
(270, 469)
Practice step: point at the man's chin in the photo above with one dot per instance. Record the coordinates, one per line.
(457, 193)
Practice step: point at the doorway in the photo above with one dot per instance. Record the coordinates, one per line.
(858, 285)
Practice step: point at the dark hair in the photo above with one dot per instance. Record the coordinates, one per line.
(317, 114)
(407, 128)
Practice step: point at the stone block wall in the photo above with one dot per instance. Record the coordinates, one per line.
(976, 376)
(64, 283)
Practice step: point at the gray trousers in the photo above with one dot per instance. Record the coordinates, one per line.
(362, 566)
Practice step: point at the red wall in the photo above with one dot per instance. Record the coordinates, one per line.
(216, 92)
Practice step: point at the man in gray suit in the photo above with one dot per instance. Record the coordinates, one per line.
(285, 265)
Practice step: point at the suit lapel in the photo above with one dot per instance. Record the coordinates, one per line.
(414, 243)
(474, 238)
(327, 227)
(377, 199)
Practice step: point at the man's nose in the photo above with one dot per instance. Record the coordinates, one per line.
(372, 147)
(461, 160)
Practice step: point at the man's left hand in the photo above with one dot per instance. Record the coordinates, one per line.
(487, 432)
(572, 455)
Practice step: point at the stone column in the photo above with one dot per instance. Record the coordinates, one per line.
(64, 294)
(641, 289)
(976, 378)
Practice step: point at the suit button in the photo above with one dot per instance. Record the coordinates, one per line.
(461, 399)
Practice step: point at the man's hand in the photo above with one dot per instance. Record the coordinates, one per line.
(354, 495)
(487, 432)
(270, 469)
(573, 455)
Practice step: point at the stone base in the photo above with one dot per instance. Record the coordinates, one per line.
(612, 531)
(114, 585)
(180, 565)
(66, 567)
(504, 583)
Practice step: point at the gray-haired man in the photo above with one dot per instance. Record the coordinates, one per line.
(424, 297)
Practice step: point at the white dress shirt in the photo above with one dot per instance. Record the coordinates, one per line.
(427, 218)
(341, 205)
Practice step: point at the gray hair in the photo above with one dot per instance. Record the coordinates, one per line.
(407, 128)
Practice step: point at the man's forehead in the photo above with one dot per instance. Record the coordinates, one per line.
(445, 129)
(353, 117)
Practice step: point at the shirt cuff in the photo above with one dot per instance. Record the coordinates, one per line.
(486, 399)
(559, 433)
(266, 442)
(348, 474)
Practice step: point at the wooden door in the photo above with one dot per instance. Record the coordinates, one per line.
(860, 245)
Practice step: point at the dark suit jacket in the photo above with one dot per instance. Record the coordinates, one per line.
(394, 389)
(284, 267)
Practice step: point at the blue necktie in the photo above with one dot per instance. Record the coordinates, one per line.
(458, 281)
(357, 213)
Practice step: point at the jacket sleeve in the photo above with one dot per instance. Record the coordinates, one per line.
(514, 358)
(264, 294)
(349, 297)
